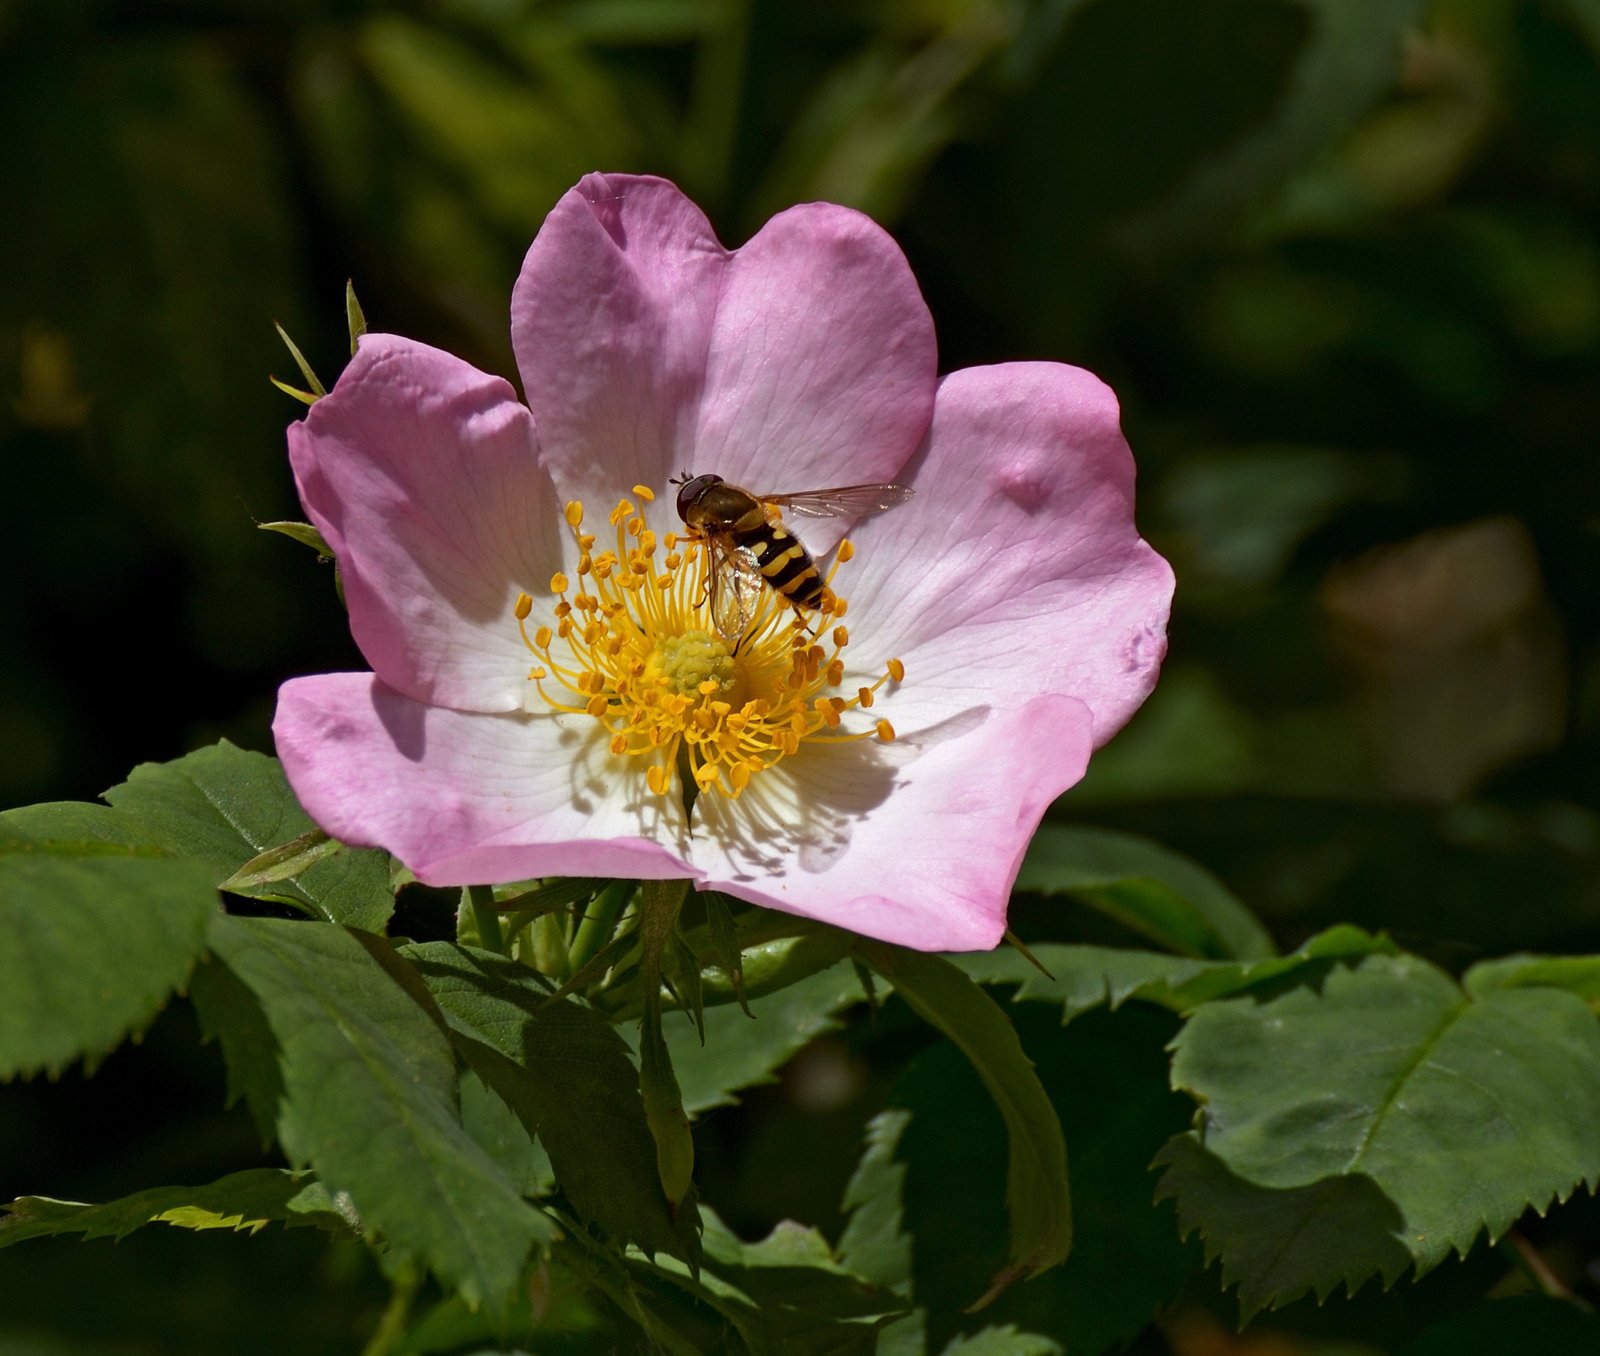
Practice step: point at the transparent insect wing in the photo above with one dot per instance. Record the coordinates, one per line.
(843, 501)
(736, 584)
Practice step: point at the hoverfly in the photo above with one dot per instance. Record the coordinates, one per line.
(750, 548)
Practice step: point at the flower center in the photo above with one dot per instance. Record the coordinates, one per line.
(635, 644)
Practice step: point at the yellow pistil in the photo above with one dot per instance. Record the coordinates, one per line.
(633, 644)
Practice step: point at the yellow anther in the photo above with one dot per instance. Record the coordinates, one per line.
(642, 652)
(897, 670)
(847, 548)
(885, 731)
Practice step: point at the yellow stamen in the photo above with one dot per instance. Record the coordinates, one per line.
(636, 648)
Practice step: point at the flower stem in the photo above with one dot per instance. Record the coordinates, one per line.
(480, 899)
(396, 1314)
(599, 922)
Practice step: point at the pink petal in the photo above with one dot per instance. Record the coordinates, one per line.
(822, 364)
(466, 797)
(611, 319)
(914, 846)
(423, 475)
(1017, 569)
(806, 357)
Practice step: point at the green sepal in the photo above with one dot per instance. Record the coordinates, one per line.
(354, 320)
(304, 533)
(283, 862)
(316, 389)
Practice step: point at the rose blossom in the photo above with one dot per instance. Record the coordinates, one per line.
(546, 674)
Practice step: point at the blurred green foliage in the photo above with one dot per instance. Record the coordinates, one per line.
(1340, 260)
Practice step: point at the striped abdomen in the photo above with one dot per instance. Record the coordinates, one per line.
(783, 561)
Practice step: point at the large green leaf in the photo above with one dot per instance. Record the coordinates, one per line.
(1085, 977)
(565, 1072)
(1178, 905)
(224, 806)
(924, 1204)
(231, 1014)
(369, 1100)
(743, 1052)
(243, 1200)
(94, 934)
(1378, 1119)
(789, 1293)
(1036, 1195)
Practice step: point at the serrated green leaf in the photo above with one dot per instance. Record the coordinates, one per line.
(875, 1244)
(1279, 1243)
(225, 805)
(1386, 1100)
(369, 1100)
(798, 1296)
(1037, 1195)
(925, 1200)
(1156, 892)
(91, 946)
(245, 1201)
(743, 1052)
(232, 1015)
(565, 1072)
(1086, 977)
(501, 1134)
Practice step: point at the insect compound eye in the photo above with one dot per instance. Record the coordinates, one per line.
(692, 490)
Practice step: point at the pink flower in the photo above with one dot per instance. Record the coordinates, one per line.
(1012, 592)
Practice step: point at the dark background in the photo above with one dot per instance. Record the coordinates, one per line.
(1341, 262)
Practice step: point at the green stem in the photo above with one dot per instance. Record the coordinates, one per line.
(599, 922)
(396, 1314)
(480, 899)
